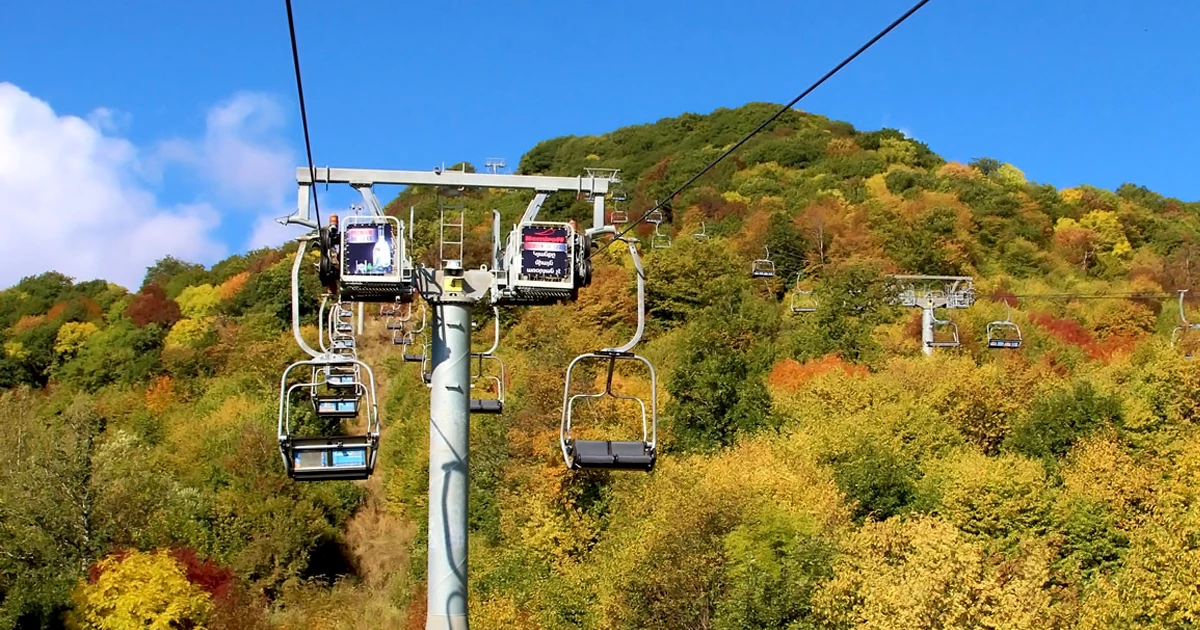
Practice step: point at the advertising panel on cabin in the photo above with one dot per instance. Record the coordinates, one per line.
(368, 250)
(545, 253)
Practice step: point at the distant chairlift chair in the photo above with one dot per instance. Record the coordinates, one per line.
(702, 235)
(945, 334)
(660, 240)
(1182, 335)
(496, 382)
(802, 301)
(612, 454)
(763, 267)
(1004, 334)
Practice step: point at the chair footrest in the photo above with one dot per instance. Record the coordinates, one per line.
(328, 458)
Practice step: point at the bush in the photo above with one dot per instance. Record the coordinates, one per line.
(1054, 423)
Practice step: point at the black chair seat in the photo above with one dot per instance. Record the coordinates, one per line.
(611, 455)
(1003, 343)
(486, 405)
(414, 358)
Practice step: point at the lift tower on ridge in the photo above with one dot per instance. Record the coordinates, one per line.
(929, 293)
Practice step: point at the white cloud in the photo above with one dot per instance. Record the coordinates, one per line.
(77, 197)
(73, 199)
(243, 159)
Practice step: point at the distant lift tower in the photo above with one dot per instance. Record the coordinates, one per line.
(930, 293)
(544, 262)
(493, 165)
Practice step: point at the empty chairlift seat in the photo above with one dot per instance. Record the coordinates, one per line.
(763, 267)
(610, 454)
(607, 454)
(1004, 334)
(332, 458)
(336, 406)
(492, 382)
(329, 457)
(945, 334)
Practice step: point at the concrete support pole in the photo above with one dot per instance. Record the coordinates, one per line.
(927, 329)
(449, 417)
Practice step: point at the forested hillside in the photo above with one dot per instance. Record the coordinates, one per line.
(816, 470)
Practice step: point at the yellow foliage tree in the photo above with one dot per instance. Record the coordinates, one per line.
(989, 496)
(1156, 584)
(1106, 225)
(924, 573)
(142, 590)
(72, 336)
(188, 333)
(897, 151)
(1009, 175)
(198, 301)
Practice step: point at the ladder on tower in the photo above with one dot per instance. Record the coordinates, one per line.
(451, 230)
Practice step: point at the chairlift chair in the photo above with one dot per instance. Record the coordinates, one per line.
(341, 376)
(640, 454)
(426, 367)
(949, 334)
(763, 267)
(329, 457)
(1004, 334)
(496, 381)
(618, 217)
(489, 405)
(659, 240)
(702, 235)
(802, 301)
(655, 216)
(1183, 331)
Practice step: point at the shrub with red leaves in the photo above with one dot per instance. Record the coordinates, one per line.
(151, 306)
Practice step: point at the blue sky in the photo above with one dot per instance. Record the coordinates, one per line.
(1098, 92)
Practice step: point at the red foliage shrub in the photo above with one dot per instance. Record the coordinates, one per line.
(265, 261)
(791, 375)
(151, 306)
(233, 606)
(1073, 333)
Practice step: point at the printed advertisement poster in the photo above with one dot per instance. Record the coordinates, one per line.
(544, 253)
(368, 250)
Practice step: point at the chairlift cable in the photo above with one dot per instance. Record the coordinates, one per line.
(1085, 296)
(845, 62)
(303, 112)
